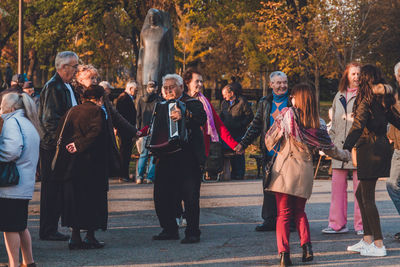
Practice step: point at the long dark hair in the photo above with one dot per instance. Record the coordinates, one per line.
(306, 105)
(370, 75)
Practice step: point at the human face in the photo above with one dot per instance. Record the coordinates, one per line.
(228, 95)
(398, 76)
(68, 70)
(279, 85)
(87, 78)
(171, 90)
(354, 77)
(132, 90)
(151, 88)
(196, 84)
(292, 100)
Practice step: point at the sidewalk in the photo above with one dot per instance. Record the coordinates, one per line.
(229, 213)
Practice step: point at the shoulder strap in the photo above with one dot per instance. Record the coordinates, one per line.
(62, 129)
(53, 162)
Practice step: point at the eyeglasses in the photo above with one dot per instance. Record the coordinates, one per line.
(169, 88)
(73, 66)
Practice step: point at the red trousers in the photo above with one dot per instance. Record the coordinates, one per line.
(290, 206)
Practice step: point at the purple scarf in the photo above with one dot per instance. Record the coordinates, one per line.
(211, 130)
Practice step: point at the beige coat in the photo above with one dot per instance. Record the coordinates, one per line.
(342, 120)
(292, 172)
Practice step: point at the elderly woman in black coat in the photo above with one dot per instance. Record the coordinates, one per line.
(372, 113)
(83, 162)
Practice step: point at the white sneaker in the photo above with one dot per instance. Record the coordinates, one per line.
(329, 230)
(358, 247)
(373, 251)
(360, 232)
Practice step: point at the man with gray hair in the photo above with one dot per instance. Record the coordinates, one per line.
(57, 96)
(127, 108)
(178, 174)
(268, 108)
(393, 183)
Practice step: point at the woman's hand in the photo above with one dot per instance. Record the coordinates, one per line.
(71, 148)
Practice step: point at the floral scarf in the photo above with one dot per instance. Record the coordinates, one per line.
(287, 123)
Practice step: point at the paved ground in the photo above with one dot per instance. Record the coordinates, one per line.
(229, 213)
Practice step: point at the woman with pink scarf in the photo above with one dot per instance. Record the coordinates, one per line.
(214, 126)
(342, 120)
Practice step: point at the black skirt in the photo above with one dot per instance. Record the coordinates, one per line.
(14, 216)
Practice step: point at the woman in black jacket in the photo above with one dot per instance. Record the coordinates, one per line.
(372, 113)
(83, 162)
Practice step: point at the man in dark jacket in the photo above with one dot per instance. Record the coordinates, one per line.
(126, 107)
(178, 174)
(145, 107)
(268, 108)
(57, 96)
(236, 114)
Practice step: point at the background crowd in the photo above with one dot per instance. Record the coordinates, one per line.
(84, 139)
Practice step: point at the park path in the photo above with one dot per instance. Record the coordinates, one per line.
(229, 213)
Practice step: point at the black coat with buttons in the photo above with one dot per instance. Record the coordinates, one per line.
(368, 135)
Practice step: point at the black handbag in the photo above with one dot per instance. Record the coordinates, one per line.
(268, 168)
(9, 174)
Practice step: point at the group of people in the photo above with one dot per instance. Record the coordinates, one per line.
(73, 135)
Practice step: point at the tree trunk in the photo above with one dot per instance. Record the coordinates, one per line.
(32, 64)
(316, 84)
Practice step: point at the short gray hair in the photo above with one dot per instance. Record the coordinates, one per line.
(277, 73)
(178, 79)
(106, 84)
(396, 69)
(64, 56)
(131, 84)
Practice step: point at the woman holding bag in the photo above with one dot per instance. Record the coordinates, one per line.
(83, 163)
(19, 142)
(300, 132)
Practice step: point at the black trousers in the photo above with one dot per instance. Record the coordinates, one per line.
(126, 152)
(365, 195)
(51, 195)
(268, 211)
(178, 177)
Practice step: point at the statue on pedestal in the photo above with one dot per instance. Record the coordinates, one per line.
(156, 53)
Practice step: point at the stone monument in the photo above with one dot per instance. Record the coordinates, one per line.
(156, 53)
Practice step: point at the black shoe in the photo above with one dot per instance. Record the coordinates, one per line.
(190, 239)
(73, 245)
(57, 236)
(308, 254)
(285, 259)
(265, 227)
(397, 236)
(125, 180)
(164, 235)
(92, 244)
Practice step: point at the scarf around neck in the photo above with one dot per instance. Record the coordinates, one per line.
(210, 130)
(287, 123)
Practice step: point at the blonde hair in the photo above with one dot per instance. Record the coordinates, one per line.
(22, 101)
(86, 68)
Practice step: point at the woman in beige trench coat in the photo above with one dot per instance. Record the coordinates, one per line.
(300, 132)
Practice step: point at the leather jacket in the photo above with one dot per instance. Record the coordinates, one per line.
(260, 124)
(55, 101)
